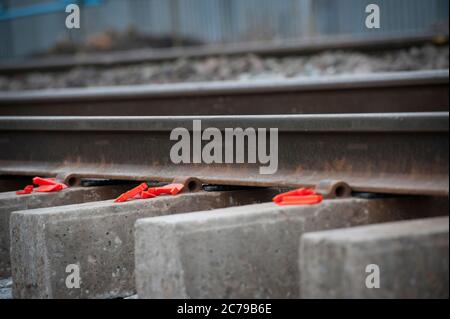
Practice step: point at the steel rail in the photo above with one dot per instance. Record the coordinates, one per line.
(400, 153)
(418, 91)
(268, 48)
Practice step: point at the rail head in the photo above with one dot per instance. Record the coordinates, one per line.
(300, 84)
(400, 153)
(374, 122)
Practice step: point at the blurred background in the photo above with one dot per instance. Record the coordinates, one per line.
(36, 27)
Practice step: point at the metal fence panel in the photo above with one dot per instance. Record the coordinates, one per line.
(217, 20)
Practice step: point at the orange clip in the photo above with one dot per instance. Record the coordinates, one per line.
(44, 181)
(47, 185)
(145, 195)
(144, 192)
(27, 190)
(171, 189)
(131, 193)
(301, 196)
(49, 188)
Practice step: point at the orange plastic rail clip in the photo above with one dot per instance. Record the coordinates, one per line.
(49, 188)
(131, 193)
(171, 189)
(27, 190)
(301, 196)
(47, 185)
(44, 181)
(145, 195)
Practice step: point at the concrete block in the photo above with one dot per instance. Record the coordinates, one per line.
(10, 202)
(249, 251)
(96, 237)
(398, 260)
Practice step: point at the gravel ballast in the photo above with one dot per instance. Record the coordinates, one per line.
(235, 68)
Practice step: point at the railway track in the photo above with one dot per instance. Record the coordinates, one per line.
(275, 48)
(207, 243)
(419, 91)
(153, 247)
(381, 166)
(359, 149)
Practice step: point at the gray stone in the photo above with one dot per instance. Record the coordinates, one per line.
(10, 202)
(99, 238)
(411, 257)
(248, 251)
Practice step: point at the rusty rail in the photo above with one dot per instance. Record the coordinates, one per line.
(425, 91)
(402, 153)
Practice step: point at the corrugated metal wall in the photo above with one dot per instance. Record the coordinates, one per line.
(396, 15)
(220, 20)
